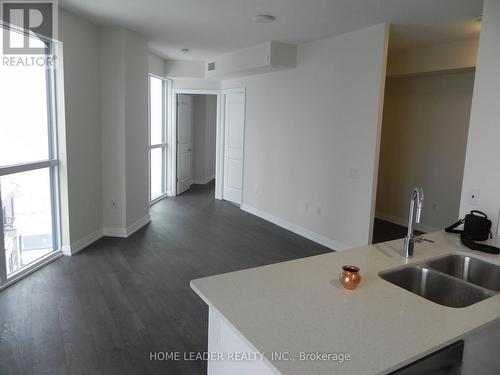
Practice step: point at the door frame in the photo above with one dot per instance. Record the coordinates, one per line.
(219, 138)
(191, 143)
(221, 131)
(172, 136)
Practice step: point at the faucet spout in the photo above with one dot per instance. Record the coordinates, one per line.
(415, 211)
(418, 197)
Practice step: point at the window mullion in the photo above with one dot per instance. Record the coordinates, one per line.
(25, 167)
(51, 108)
(158, 145)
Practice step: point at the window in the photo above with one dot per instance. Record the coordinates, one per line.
(158, 93)
(28, 167)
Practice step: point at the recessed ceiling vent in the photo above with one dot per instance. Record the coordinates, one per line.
(211, 66)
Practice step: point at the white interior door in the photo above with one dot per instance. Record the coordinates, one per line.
(234, 131)
(184, 143)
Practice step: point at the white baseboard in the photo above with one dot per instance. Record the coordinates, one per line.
(203, 181)
(404, 222)
(115, 232)
(89, 239)
(134, 227)
(301, 231)
(82, 243)
(125, 232)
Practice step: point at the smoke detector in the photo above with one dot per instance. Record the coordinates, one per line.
(263, 18)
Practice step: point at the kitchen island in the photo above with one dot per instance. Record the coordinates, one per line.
(283, 312)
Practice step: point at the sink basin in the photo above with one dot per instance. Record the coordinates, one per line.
(473, 270)
(436, 286)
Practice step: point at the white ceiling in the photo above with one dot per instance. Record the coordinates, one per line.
(212, 27)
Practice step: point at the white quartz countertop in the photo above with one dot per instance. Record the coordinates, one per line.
(299, 306)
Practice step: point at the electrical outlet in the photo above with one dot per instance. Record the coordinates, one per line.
(474, 197)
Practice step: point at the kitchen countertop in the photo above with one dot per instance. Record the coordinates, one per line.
(300, 306)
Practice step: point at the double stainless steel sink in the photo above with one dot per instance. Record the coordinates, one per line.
(452, 280)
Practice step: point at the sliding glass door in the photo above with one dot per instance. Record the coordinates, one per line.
(158, 99)
(28, 169)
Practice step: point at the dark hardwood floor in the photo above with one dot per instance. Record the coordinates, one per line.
(105, 309)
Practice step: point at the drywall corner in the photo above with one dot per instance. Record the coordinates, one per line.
(113, 126)
(156, 65)
(80, 119)
(378, 135)
(481, 172)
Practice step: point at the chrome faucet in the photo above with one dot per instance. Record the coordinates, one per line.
(416, 204)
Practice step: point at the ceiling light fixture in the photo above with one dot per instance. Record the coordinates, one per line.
(185, 50)
(263, 18)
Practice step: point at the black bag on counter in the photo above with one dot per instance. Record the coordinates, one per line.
(477, 227)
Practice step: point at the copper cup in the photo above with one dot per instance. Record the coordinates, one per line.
(350, 277)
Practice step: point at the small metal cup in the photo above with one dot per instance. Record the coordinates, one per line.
(350, 277)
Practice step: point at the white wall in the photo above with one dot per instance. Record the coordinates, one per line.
(136, 117)
(483, 152)
(113, 127)
(424, 136)
(105, 80)
(204, 125)
(312, 136)
(210, 135)
(184, 69)
(455, 56)
(156, 65)
(124, 68)
(83, 124)
(195, 83)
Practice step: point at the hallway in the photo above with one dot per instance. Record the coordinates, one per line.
(105, 309)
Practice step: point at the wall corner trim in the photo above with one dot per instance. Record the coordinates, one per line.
(82, 243)
(131, 229)
(114, 232)
(89, 239)
(301, 231)
(134, 227)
